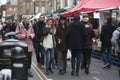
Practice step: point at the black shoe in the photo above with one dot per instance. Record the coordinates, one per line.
(64, 71)
(47, 72)
(82, 66)
(108, 66)
(51, 70)
(72, 73)
(61, 72)
(87, 70)
(105, 66)
(77, 74)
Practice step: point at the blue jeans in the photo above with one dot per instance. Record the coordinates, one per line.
(106, 54)
(76, 57)
(49, 57)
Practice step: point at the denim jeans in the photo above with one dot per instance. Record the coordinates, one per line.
(49, 57)
(76, 57)
(106, 54)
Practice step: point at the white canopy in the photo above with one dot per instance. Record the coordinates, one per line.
(36, 16)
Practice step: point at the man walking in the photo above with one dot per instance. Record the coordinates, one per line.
(76, 41)
(105, 37)
(38, 29)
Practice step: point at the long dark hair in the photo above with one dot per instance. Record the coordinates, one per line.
(65, 24)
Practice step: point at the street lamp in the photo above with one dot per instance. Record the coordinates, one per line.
(34, 6)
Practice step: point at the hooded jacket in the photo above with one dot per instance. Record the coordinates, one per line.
(76, 34)
(114, 38)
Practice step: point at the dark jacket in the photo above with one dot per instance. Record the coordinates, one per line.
(76, 34)
(11, 27)
(38, 30)
(60, 37)
(90, 35)
(106, 34)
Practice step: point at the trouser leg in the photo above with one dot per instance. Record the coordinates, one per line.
(47, 59)
(64, 59)
(37, 51)
(60, 62)
(29, 55)
(56, 57)
(42, 52)
(104, 54)
(78, 61)
(73, 61)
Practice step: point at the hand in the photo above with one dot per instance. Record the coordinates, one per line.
(46, 49)
(59, 41)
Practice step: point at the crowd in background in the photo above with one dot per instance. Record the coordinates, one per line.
(51, 39)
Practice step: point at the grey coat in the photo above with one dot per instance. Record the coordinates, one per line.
(114, 41)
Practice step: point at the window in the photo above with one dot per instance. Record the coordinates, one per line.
(66, 3)
(14, 9)
(36, 9)
(43, 9)
(27, 5)
(10, 9)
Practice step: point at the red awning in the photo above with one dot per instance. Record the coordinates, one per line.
(68, 13)
(91, 5)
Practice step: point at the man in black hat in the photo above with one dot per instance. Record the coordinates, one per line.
(61, 44)
(38, 29)
(76, 34)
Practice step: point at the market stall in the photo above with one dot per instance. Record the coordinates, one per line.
(91, 5)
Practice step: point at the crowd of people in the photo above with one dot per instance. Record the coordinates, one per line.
(51, 40)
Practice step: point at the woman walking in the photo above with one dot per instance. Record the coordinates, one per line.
(49, 44)
(25, 33)
(88, 48)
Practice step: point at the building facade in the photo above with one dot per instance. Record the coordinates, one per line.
(31, 7)
(24, 7)
(67, 4)
(8, 10)
(50, 7)
(12, 2)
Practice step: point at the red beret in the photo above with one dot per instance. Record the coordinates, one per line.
(50, 18)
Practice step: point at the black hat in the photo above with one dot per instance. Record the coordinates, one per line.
(76, 17)
(62, 18)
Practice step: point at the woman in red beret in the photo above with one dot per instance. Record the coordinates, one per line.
(49, 43)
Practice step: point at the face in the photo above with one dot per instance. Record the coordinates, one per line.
(62, 21)
(4, 24)
(10, 21)
(42, 18)
(26, 20)
(50, 22)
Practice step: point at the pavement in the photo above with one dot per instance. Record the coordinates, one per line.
(96, 72)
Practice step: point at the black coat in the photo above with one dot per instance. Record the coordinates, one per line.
(12, 27)
(76, 35)
(61, 35)
(38, 30)
(106, 34)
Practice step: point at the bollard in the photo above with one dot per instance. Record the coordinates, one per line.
(19, 64)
